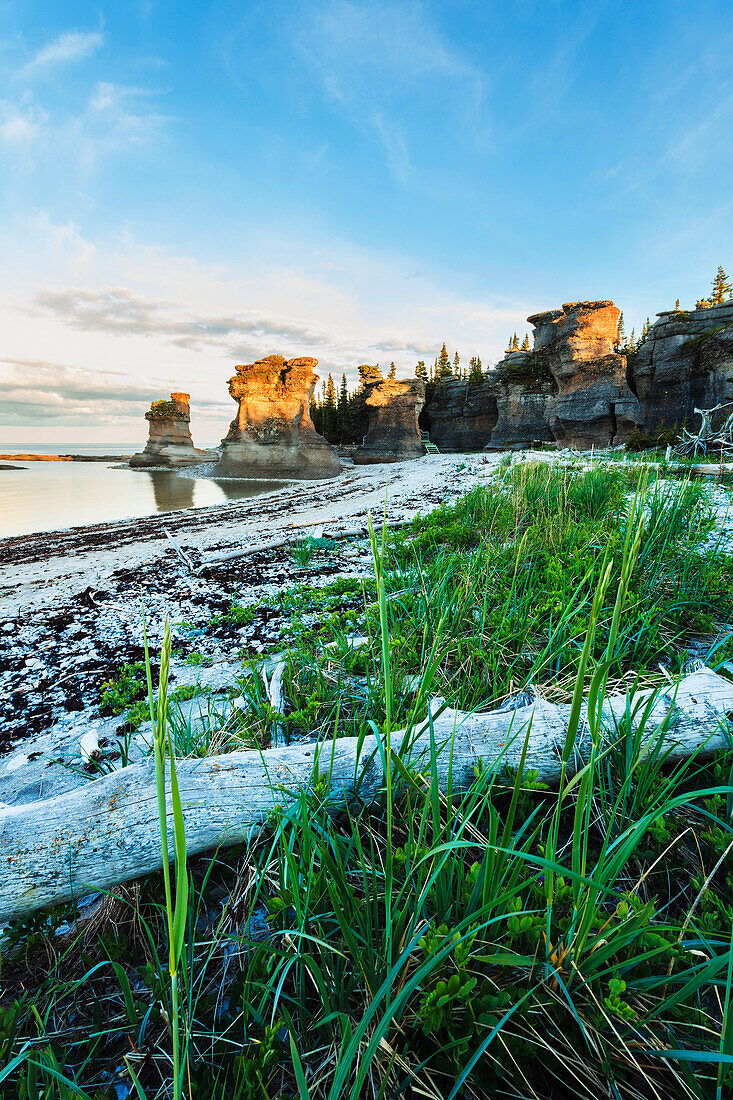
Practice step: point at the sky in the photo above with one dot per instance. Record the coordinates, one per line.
(188, 186)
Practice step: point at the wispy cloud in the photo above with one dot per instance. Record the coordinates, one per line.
(21, 123)
(375, 60)
(119, 311)
(68, 47)
(68, 392)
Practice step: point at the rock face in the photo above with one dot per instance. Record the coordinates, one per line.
(169, 439)
(686, 362)
(393, 406)
(462, 417)
(524, 388)
(594, 405)
(272, 434)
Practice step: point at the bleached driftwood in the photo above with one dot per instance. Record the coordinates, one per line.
(107, 832)
(275, 695)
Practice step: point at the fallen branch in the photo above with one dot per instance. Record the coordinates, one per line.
(273, 544)
(107, 832)
(179, 552)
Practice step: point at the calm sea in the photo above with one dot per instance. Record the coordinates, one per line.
(47, 496)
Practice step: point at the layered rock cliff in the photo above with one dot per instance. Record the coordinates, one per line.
(169, 436)
(393, 406)
(686, 362)
(462, 416)
(524, 388)
(594, 405)
(272, 434)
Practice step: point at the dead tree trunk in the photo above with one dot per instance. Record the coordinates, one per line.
(107, 832)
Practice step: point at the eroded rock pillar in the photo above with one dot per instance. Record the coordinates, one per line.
(272, 435)
(393, 406)
(169, 436)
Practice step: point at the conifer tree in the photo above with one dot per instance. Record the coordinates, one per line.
(329, 410)
(677, 306)
(392, 371)
(456, 362)
(721, 288)
(645, 331)
(515, 342)
(475, 375)
(420, 371)
(443, 369)
(525, 342)
(620, 342)
(367, 373)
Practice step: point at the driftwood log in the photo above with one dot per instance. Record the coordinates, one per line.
(107, 832)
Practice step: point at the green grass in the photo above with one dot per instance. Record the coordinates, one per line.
(505, 940)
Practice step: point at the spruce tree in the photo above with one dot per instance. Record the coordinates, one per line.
(677, 306)
(456, 362)
(619, 343)
(392, 371)
(330, 411)
(367, 373)
(525, 342)
(721, 288)
(420, 371)
(443, 368)
(342, 409)
(475, 375)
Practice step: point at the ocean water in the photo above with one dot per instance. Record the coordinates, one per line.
(47, 496)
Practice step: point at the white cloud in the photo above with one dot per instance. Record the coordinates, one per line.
(21, 123)
(376, 60)
(157, 321)
(68, 47)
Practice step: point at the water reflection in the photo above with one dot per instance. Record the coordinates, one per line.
(47, 496)
(171, 492)
(235, 490)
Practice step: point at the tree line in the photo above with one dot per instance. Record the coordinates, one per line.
(341, 416)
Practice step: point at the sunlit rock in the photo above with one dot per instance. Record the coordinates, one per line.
(272, 435)
(594, 405)
(169, 437)
(393, 406)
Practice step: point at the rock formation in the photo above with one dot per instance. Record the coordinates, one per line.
(462, 416)
(524, 388)
(393, 406)
(272, 434)
(593, 405)
(169, 437)
(686, 362)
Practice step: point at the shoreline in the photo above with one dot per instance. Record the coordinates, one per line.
(62, 458)
(70, 601)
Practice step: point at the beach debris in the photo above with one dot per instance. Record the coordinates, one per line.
(179, 552)
(108, 832)
(708, 438)
(89, 747)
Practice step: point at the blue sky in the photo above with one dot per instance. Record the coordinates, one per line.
(184, 186)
